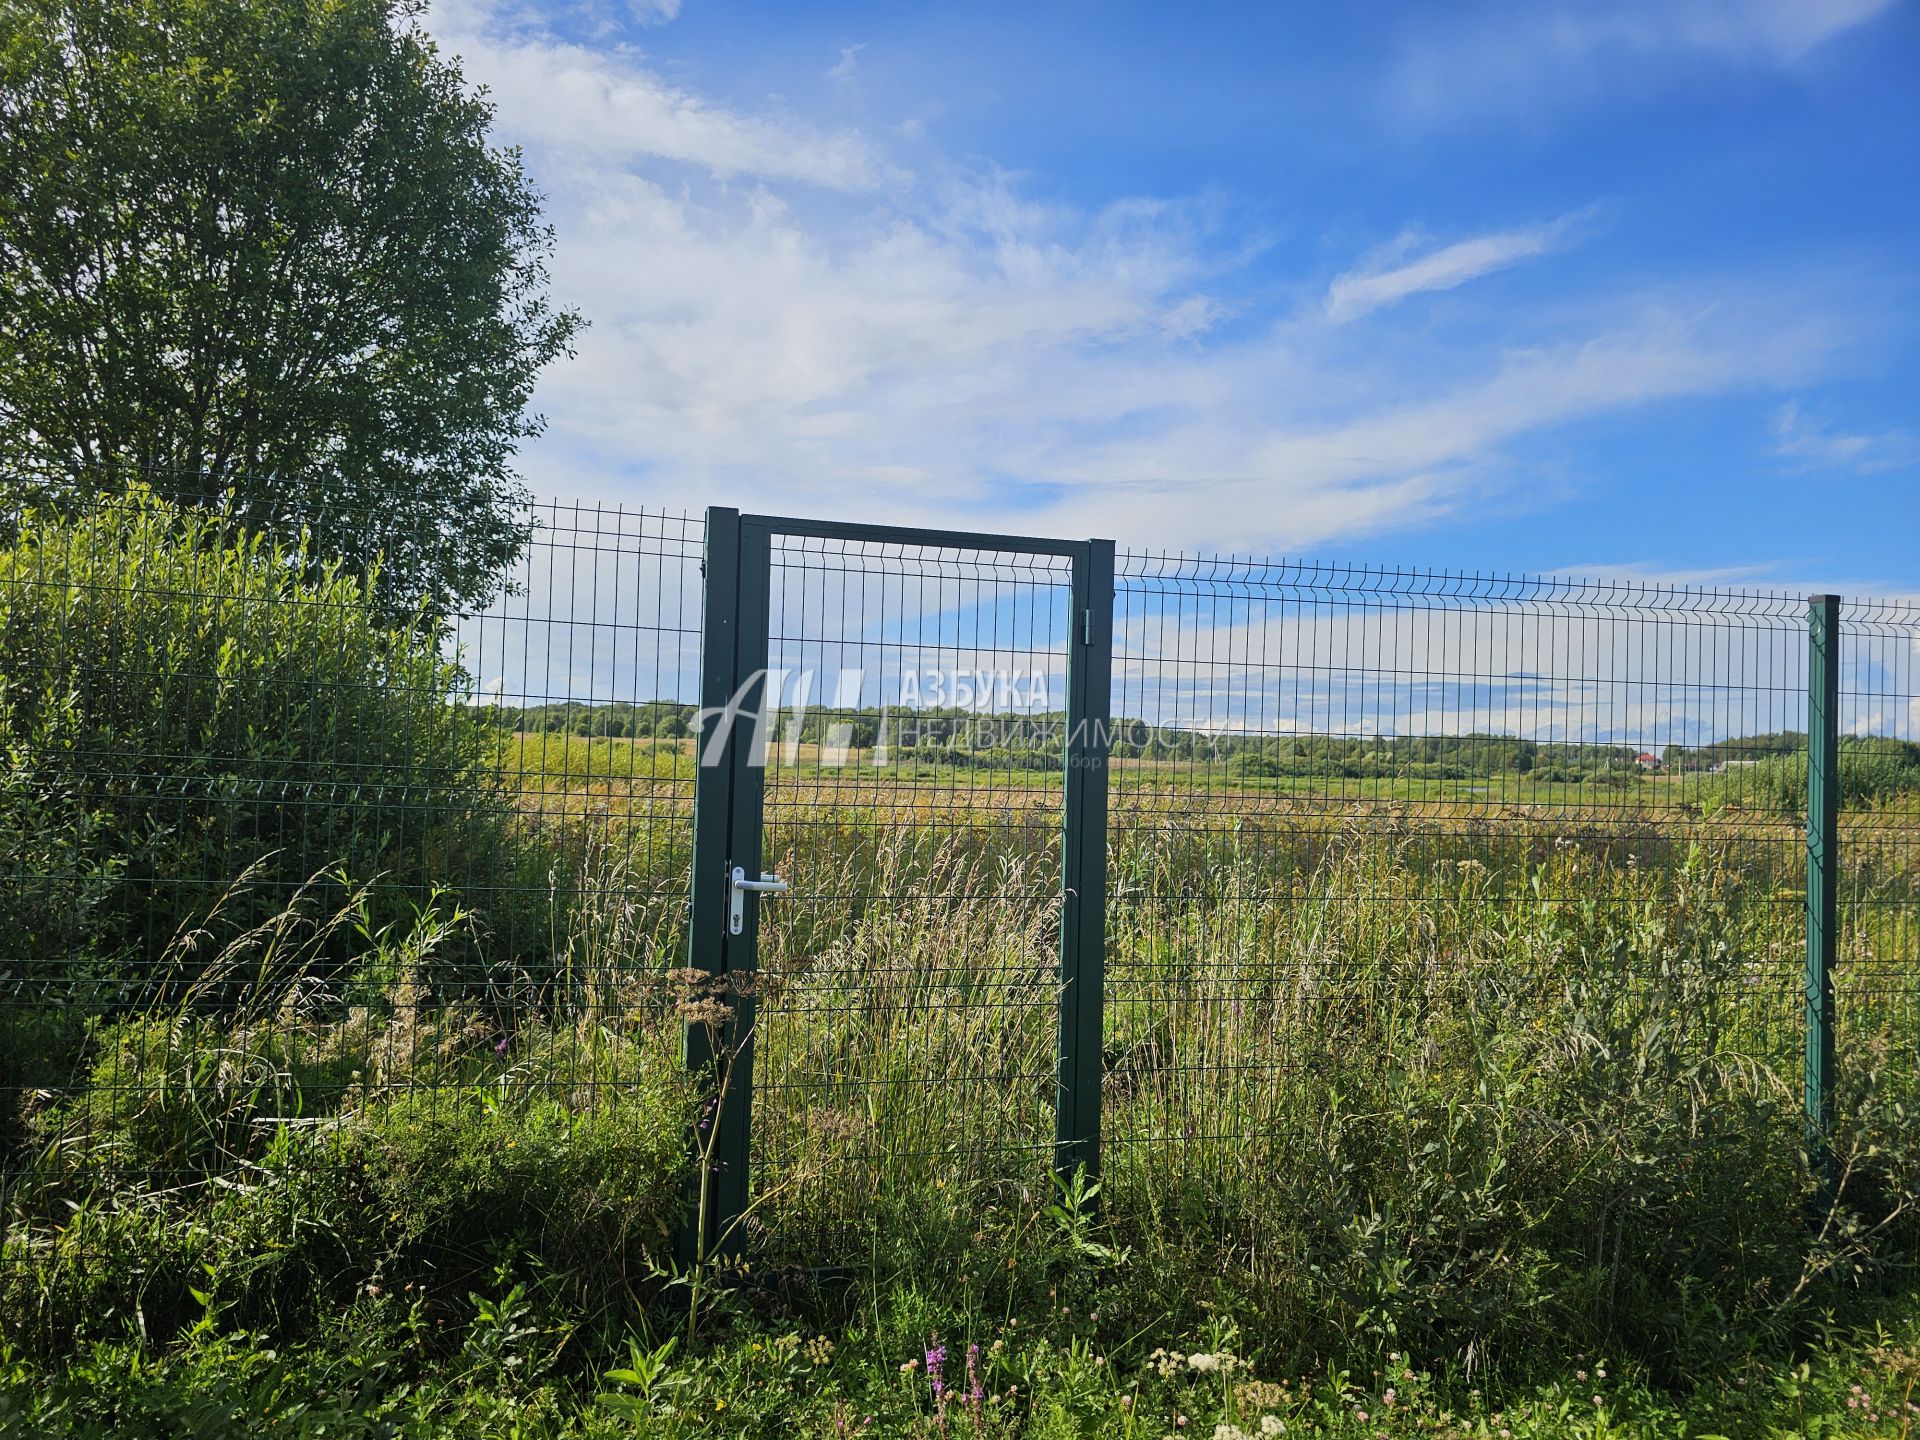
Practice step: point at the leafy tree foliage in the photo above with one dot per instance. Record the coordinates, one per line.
(262, 252)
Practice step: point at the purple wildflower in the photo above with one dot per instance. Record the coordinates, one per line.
(976, 1391)
(501, 1048)
(936, 1357)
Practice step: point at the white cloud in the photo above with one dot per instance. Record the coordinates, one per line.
(1817, 446)
(1391, 278)
(1300, 649)
(1245, 466)
(1759, 576)
(1516, 59)
(1776, 31)
(782, 318)
(849, 62)
(607, 104)
(654, 12)
(905, 366)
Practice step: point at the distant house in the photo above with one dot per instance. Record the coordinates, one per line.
(1647, 760)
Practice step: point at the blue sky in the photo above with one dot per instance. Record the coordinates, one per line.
(1595, 288)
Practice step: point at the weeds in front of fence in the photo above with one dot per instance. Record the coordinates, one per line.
(322, 1149)
(1486, 1147)
(298, 1057)
(229, 1383)
(1484, 1118)
(1508, 1107)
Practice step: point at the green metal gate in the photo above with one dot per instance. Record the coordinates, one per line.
(909, 941)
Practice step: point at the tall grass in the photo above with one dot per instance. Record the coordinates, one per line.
(1376, 1080)
(1382, 1077)
(319, 1142)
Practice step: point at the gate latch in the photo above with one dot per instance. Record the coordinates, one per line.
(738, 885)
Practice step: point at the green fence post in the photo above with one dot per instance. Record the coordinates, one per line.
(752, 735)
(1083, 922)
(712, 820)
(1823, 864)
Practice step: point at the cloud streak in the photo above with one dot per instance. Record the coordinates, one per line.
(843, 72)
(1812, 445)
(1370, 288)
(1507, 60)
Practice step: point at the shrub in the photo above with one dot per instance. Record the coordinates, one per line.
(182, 703)
(1874, 770)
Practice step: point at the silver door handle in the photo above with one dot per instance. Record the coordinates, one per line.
(738, 888)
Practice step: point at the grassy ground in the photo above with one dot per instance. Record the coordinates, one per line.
(1512, 1092)
(875, 1376)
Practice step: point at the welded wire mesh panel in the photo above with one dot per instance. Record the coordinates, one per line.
(1384, 843)
(312, 883)
(314, 887)
(1877, 969)
(906, 1041)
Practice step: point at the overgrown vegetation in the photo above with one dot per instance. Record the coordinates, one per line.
(182, 703)
(337, 1111)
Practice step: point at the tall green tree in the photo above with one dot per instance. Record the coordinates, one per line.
(263, 253)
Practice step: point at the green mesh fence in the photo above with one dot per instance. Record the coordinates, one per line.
(306, 885)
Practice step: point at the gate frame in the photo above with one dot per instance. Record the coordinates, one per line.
(728, 819)
(1823, 881)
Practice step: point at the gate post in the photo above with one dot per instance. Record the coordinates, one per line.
(1083, 921)
(1823, 866)
(712, 821)
(750, 737)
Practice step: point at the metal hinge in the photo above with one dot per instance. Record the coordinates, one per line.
(1086, 628)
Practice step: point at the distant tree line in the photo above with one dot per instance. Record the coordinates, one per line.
(621, 720)
(1740, 750)
(1766, 769)
(1036, 741)
(1432, 757)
